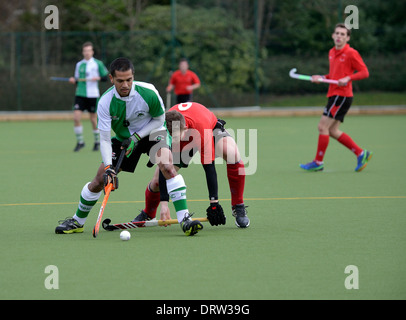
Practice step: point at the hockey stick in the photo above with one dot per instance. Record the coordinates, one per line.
(107, 191)
(65, 79)
(168, 100)
(168, 94)
(294, 75)
(141, 224)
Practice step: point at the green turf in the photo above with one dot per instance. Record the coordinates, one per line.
(305, 227)
(360, 99)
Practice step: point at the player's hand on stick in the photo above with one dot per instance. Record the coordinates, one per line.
(316, 78)
(72, 80)
(130, 144)
(110, 176)
(165, 212)
(215, 214)
(344, 81)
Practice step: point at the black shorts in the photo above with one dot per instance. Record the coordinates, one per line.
(148, 145)
(83, 104)
(337, 107)
(182, 98)
(219, 132)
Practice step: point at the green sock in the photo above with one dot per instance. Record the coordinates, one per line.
(87, 201)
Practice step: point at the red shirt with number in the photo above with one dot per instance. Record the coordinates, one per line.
(345, 62)
(202, 122)
(182, 81)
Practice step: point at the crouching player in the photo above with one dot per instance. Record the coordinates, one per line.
(136, 114)
(195, 128)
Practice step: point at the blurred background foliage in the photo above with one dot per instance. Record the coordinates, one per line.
(241, 49)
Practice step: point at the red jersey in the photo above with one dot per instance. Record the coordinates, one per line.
(203, 121)
(344, 63)
(181, 81)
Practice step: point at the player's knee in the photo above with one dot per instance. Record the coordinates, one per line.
(323, 129)
(168, 170)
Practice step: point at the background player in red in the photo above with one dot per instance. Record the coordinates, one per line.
(195, 128)
(344, 61)
(184, 81)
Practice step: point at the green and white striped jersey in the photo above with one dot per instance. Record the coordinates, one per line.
(131, 114)
(87, 69)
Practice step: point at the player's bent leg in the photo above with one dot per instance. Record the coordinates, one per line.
(228, 150)
(152, 199)
(177, 192)
(89, 196)
(322, 143)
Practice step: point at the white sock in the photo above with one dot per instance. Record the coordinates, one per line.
(79, 220)
(79, 133)
(96, 135)
(177, 193)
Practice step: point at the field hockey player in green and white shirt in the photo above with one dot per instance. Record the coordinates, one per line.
(88, 72)
(136, 114)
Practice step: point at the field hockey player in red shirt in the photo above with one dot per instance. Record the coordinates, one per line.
(198, 129)
(344, 61)
(184, 81)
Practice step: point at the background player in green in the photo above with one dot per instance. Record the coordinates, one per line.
(135, 112)
(88, 72)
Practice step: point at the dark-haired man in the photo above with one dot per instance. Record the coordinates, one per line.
(135, 112)
(344, 61)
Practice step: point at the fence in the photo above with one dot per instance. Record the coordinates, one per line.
(28, 60)
(231, 74)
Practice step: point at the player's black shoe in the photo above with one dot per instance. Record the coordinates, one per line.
(96, 146)
(69, 225)
(143, 216)
(79, 146)
(190, 227)
(240, 214)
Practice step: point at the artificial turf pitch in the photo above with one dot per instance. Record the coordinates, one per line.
(306, 228)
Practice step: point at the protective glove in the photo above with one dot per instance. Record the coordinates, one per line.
(110, 176)
(215, 214)
(130, 144)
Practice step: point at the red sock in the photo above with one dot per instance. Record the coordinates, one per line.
(347, 141)
(152, 200)
(236, 180)
(322, 147)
